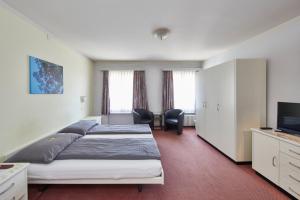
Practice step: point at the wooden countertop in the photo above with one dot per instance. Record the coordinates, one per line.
(294, 139)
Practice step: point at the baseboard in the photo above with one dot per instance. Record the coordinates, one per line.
(236, 162)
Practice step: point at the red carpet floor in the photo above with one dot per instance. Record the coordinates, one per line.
(193, 171)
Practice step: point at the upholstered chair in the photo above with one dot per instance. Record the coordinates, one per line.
(142, 116)
(173, 118)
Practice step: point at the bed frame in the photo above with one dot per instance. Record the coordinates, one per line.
(138, 181)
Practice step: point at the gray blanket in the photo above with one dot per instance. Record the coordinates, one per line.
(120, 129)
(111, 149)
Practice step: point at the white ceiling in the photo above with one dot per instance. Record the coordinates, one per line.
(122, 29)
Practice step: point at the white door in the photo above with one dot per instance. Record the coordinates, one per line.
(200, 104)
(211, 112)
(202, 107)
(226, 110)
(265, 156)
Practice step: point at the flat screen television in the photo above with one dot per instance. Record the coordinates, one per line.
(288, 117)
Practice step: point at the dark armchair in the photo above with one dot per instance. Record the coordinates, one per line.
(174, 119)
(142, 116)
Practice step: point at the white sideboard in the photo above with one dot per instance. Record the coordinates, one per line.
(13, 182)
(276, 156)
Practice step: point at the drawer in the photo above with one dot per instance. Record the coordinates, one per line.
(289, 162)
(21, 185)
(290, 188)
(290, 149)
(289, 178)
(7, 190)
(15, 188)
(289, 170)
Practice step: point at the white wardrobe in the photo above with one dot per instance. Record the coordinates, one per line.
(231, 99)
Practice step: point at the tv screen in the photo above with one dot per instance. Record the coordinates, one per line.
(288, 118)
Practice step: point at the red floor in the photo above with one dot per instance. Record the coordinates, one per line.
(193, 170)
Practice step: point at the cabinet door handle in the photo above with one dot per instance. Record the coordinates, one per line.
(273, 161)
(218, 107)
(7, 189)
(295, 152)
(291, 189)
(294, 165)
(294, 178)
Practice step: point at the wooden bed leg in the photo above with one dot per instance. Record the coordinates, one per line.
(140, 187)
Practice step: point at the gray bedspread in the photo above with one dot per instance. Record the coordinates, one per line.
(120, 129)
(111, 149)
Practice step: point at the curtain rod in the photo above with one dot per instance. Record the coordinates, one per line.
(182, 69)
(161, 69)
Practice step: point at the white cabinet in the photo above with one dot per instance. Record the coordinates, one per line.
(265, 157)
(276, 156)
(233, 99)
(13, 182)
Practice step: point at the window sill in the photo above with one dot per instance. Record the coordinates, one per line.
(120, 113)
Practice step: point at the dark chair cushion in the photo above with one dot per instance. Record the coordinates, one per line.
(174, 118)
(172, 121)
(142, 116)
(145, 121)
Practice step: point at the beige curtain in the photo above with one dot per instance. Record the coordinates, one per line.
(168, 91)
(105, 94)
(139, 90)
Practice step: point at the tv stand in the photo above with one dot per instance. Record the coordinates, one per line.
(276, 156)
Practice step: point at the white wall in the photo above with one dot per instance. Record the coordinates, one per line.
(26, 117)
(153, 70)
(281, 47)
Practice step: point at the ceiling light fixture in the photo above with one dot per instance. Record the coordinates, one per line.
(161, 33)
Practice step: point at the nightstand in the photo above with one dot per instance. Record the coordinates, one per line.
(13, 182)
(159, 117)
(97, 118)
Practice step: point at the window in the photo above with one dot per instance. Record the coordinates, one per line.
(184, 90)
(120, 91)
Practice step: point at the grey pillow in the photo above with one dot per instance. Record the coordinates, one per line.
(81, 127)
(45, 150)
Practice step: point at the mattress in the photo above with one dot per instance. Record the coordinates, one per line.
(97, 169)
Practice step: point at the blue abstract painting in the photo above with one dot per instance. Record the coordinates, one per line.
(45, 77)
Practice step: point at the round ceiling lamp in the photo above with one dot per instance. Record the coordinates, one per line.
(161, 33)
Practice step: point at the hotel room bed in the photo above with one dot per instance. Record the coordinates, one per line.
(73, 165)
(86, 171)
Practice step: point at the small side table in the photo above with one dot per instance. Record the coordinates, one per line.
(97, 118)
(13, 181)
(159, 117)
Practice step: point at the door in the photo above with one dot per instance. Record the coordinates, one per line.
(226, 110)
(200, 104)
(265, 156)
(212, 98)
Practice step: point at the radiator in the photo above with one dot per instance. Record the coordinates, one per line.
(189, 120)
